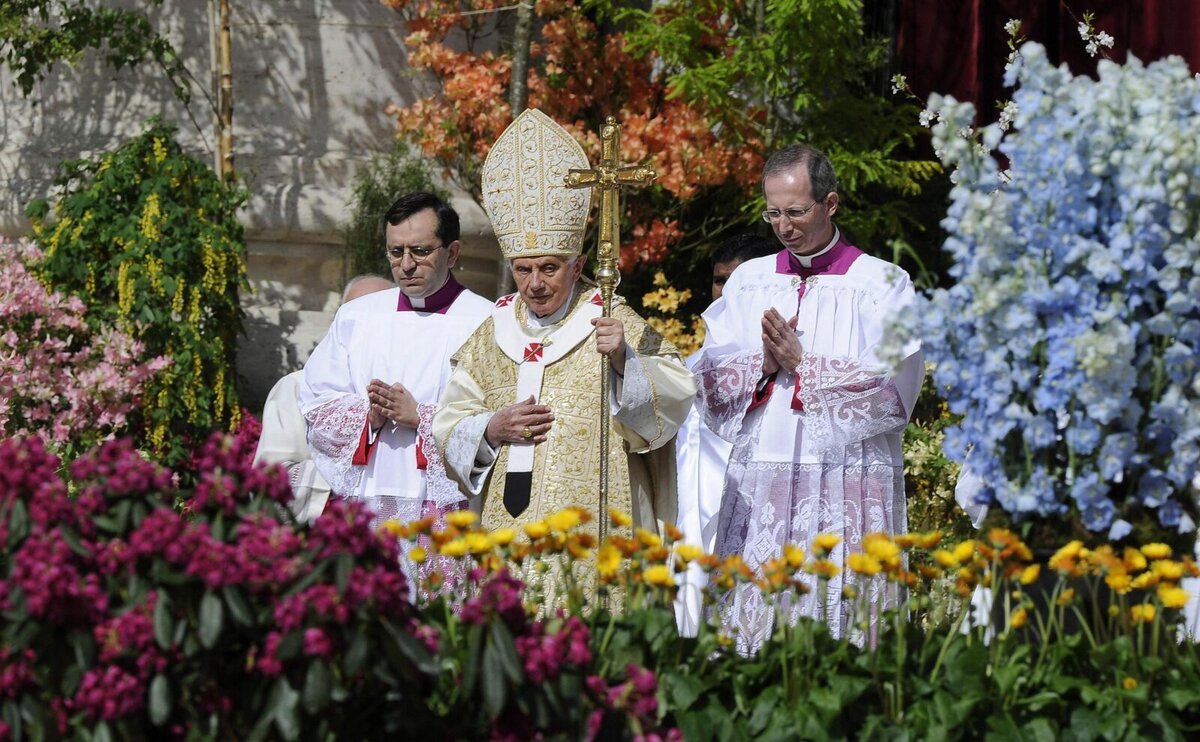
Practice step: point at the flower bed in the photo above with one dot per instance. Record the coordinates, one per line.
(134, 608)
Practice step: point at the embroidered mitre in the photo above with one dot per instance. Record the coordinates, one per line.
(532, 211)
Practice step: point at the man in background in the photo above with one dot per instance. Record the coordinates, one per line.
(284, 438)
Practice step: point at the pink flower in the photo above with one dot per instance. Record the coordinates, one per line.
(317, 643)
(108, 693)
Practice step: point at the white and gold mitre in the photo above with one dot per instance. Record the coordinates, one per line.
(524, 189)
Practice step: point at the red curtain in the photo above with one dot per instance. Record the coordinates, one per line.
(958, 47)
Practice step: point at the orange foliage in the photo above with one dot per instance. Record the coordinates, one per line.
(577, 76)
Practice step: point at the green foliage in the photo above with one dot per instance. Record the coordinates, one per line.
(148, 237)
(376, 186)
(930, 475)
(795, 71)
(36, 34)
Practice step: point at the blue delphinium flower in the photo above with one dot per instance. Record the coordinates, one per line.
(1070, 342)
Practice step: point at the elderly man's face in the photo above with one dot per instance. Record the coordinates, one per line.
(419, 276)
(812, 230)
(545, 282)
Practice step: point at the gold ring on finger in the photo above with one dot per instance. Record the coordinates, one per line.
(527, 433)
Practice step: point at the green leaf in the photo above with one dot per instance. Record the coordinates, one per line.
(506, 650)
(343, 567)
(18, 523)
(317, 683)
(290, 645)
(1181, 698)
(684, 689)
(1041, 729)
(101, 732)
(356, 654)
(470, 669)
(764, 706)
(239, 610)
(212, 619)
(495, 687)
(160, 700)
(412, 649)
(287, 712)
(164, 623)
(1086, 724)
(73, 542)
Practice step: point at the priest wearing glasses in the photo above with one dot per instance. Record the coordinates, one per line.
(789, 375)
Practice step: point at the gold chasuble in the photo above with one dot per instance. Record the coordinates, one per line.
(654, 398)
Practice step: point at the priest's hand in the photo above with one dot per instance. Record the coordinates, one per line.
(523, 422)
(781, 347)
(610, 341)
(391, 402)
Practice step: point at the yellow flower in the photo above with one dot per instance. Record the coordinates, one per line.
(1156, 551)
(1030, 574)
(417, 555)
(929, 540)
(689, 552)
(647, 538)
(563, 520)
(1172, 596)
(673, 532)
(882, 548)
(825, 543)
(1134, 559)
(461, 518)
(537, 529)
(1066, 596)
(619, 519)
(1144, 580)
(1167, 569)
(503, 536)
(793, 555)
(1129, 683)
(864, 564)
(608, 560)
(394, 528)
(1120, 582)
(1144, 613)
(824, 569)
(455, 548)
(478, 543)
(964, 551)
(945, 559)
(659, 574)
(1018, 618)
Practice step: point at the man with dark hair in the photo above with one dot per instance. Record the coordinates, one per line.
(371, 386)
(789, 374)
(733, 252)
(701, 455)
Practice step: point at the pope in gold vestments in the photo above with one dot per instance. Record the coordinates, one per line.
(542, 348)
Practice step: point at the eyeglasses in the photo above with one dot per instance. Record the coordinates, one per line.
(417, 252)
(794, 213)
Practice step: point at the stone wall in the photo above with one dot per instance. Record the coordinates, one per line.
(311, 81)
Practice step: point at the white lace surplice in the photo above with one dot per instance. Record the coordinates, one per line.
(370, 339)
(825, 460)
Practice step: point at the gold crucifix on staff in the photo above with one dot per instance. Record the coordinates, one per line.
(607, 178)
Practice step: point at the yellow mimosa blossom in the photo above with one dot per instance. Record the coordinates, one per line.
(793, 555)
(563, 520)
(659, 574)
(417, 554)
(455, 548)
(1172, 596)
(825, 543)
(1156, 551)
(864, 564)
(1144, 613)
(1030, 574)
(1167, 569)
(1018, 618)
(503, 536)
(1129, 683)
(688, 552)
(537, 529)
(619, 519)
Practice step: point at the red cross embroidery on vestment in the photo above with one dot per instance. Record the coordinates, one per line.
(533, 352)
(597, 299)
(504, 301)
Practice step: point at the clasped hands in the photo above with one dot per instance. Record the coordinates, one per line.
(781, 347)
(391, 402)
(528, 422)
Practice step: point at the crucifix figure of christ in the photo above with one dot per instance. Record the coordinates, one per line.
(607, 178)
